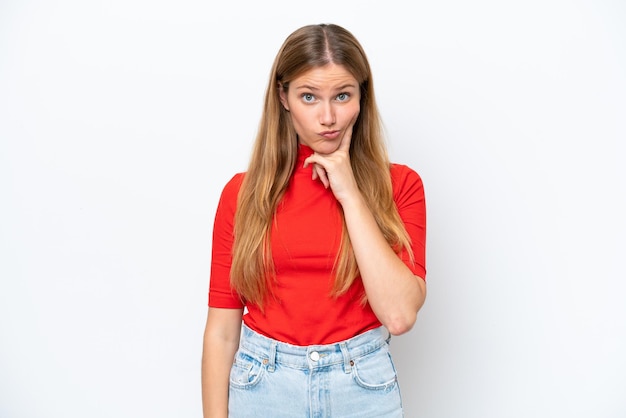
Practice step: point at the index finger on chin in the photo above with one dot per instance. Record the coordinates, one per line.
(347, 138)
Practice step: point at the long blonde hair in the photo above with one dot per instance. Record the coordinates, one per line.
(274, 156)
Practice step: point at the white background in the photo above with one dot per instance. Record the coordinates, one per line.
(121, 120)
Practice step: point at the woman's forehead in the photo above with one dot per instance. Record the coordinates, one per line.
(327, 76)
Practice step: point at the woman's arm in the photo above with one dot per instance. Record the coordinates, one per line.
(393, 291)
(221, 340)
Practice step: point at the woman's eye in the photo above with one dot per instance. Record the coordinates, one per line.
(308, 97)
(342, 97)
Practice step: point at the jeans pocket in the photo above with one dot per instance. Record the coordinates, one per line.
(375, 370)
(246, 371)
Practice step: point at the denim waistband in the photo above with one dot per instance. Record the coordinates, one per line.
(274, 352)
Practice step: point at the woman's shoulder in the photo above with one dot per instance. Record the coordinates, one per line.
(402, 173)
(232, 186)
(235, 181)
(405, 181)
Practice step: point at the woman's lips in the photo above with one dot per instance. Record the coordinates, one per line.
(330, 134)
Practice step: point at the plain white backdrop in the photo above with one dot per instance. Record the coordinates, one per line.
(120, 122)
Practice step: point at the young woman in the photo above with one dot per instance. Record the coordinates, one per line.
(322, 241)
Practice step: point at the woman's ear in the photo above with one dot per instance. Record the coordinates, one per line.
(282, 94)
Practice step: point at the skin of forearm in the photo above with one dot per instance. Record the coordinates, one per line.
(217, 358)
(393, 291)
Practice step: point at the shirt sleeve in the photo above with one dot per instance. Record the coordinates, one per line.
(408, 194)
(221, 294)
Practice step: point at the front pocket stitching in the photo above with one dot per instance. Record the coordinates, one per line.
(248, 366)
(379, 386)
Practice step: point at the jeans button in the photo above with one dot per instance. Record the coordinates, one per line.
(315, 356)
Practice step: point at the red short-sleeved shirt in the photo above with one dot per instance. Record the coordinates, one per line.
(306, 235)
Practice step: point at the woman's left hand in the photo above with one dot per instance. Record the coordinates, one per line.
(334, 169)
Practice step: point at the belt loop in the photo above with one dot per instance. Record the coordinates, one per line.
(347, 366)
(271, 366)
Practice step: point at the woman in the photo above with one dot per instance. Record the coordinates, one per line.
(322, 241)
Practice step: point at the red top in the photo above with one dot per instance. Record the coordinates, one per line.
(306, 234)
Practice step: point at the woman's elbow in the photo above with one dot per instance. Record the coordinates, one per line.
(403, 320)
(401, 325)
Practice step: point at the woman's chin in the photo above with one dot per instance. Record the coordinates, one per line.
(325, 147)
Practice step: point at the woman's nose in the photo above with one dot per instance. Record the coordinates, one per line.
(327, 115)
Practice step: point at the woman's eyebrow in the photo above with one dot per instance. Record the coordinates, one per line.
(310, 87)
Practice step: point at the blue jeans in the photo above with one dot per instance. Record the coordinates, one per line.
(353, 378)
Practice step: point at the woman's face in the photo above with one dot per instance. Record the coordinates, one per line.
(323, 103)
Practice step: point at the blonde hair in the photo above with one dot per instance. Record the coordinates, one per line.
(274, 156)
